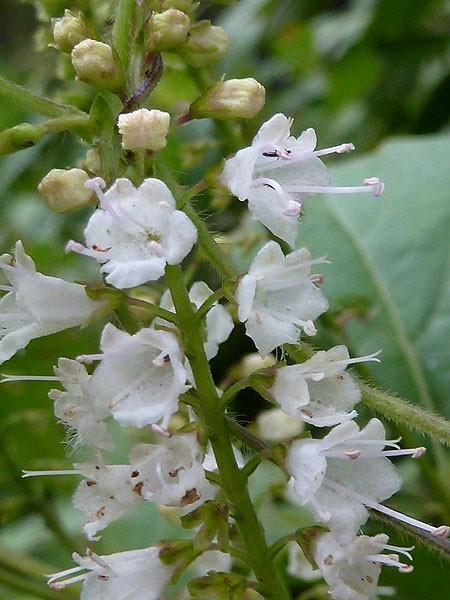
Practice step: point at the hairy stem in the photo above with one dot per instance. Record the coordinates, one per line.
(213, 419)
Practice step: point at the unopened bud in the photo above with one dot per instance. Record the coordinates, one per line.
(144, 129)
(63, 190)
(91, 162)
(95, 63)
(275, 425)
(20, 137)
(167, 30)
(253, 362)
(69, 30)
(232, 99)
(206, 44)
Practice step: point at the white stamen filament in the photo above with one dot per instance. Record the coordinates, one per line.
(159, 430)
(374, 453)
(60, 585)
(26, 473)
(390, 560)
(7, 378)
(372, 184)
(96, 185)
(73, 246)
(6, 288)
(442, 531)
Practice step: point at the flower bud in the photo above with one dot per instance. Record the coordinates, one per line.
(274, 425)
(63, 190)
(253, 362)
(144, 129)
(167, 30)
(206, 45)
(69, 30)
(232, 99)
(95, 63)
(20, 137)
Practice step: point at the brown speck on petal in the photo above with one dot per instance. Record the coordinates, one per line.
(190, 497)
(138, 488)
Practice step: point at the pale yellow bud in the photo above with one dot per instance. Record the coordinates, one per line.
(95, 63)
(144, 129)
(69, 30)
(253, 362)
(274, 425)
(167, 30)
(63, 190)
(206, 44)
(232, 99)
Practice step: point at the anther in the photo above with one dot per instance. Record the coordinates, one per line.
(420, 451)
(376, 184)
(352, 454)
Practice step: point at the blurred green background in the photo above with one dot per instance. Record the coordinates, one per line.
(375, 72)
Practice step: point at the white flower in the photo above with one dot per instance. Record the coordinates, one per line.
(348, 470)
(218, 321)
(171, 473)
(136, 232)
(141, 376)
(107, 494)
(352, 570)
(277, 298)
(318, 391)
(132, 575)
(278, 172)
(79, 409)
(37, 305)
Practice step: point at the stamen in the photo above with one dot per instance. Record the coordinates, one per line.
(26, 473)
(159, 430)
(352, 454)
(372, 184)
(97, 184)
(442, 531)
(89, 358)
(317, 278)
(6, 288)
(293, 209)
(7, 378)
(73, 246)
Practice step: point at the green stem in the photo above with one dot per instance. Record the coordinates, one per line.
(231, 392)
(123, 30)
(64, 123)
(209, 303)
(403, 412)
(218, 259)
(213, 419)
(34, 103)
(158, 311)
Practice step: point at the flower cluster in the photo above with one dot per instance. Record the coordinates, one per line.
(142, 377)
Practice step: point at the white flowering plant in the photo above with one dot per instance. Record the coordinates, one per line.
(206, 289)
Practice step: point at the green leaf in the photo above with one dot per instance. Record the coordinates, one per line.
(394, 251)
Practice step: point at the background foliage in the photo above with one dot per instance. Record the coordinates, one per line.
(363, 71)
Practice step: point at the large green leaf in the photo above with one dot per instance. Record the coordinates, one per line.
(394, 252)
